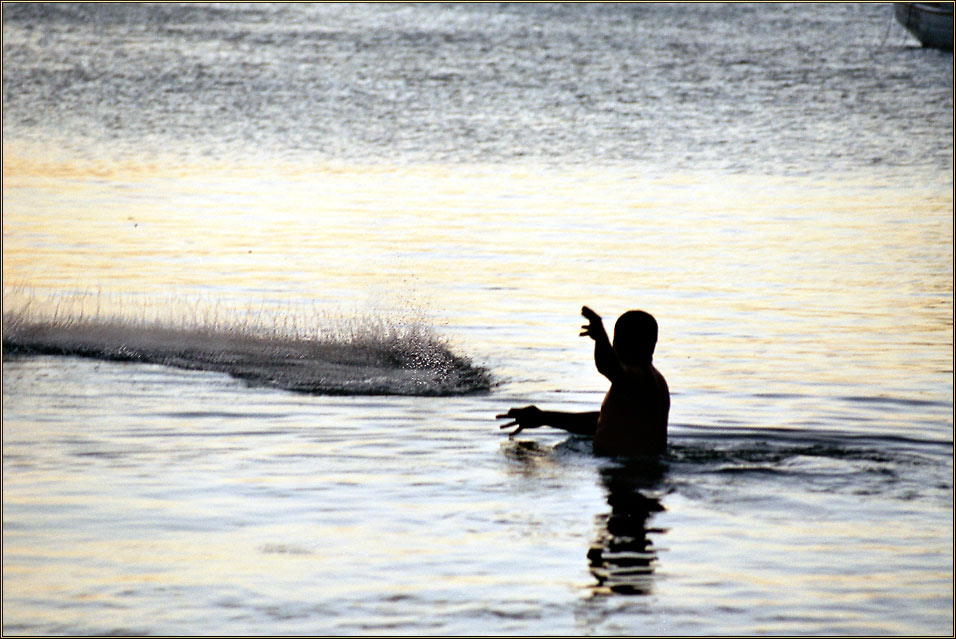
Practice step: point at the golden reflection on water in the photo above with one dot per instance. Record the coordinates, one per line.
(825, 266)
(761, 285)
(124, 226)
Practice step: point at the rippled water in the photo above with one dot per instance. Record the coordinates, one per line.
(772, 182)
(731, 87)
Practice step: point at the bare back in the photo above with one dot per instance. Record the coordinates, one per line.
(633, 418)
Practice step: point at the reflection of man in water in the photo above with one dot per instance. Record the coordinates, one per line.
(633, 418)
(622, 558)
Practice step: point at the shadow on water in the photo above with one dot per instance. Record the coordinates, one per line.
(623, 555)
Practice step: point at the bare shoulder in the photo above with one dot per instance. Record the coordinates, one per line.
(659, 377)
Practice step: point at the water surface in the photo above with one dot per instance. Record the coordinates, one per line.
(772, 182)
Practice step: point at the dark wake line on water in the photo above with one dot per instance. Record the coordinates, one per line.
(762, 463)
(827, 459)
(741, 449)
(391, 360)
(803, 438)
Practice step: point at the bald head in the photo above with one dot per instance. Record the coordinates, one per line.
(635, 336)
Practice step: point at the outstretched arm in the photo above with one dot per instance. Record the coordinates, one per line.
(534, 417)
(604, 356)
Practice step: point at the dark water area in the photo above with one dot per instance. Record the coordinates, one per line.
(778, 89)
(376, 360)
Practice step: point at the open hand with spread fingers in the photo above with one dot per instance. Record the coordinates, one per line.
(527, 417)
(594, 327)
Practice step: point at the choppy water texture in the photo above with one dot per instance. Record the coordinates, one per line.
(190, 193)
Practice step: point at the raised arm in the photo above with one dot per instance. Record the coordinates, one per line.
(605, 358)
(534, 417)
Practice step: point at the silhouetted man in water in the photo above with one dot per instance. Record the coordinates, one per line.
(633, 417)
